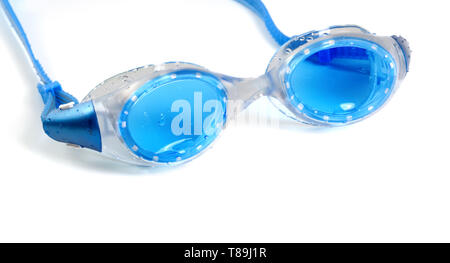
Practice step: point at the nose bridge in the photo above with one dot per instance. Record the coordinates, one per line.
(242, 92)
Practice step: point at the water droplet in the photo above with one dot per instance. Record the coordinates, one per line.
(124, 78)
(162, 120)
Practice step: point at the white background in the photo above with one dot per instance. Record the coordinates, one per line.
(384, 179)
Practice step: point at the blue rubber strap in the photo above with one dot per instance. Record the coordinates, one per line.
(51, 89)
(260, 9)
(48, 89)
(26, 44)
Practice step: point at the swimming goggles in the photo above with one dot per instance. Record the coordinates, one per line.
(170, 113)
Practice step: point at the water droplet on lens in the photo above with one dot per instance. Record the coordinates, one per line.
(162, 120)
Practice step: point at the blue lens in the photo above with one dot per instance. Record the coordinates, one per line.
(174, 117)
(340, 80)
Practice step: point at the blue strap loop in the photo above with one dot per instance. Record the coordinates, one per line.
(54, 90)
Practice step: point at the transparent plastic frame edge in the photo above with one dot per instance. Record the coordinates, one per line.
(110, 96)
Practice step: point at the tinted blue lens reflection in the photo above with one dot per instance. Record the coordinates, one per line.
(341, 83)
(175, 117)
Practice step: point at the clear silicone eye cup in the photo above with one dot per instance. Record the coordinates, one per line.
(170, 113)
